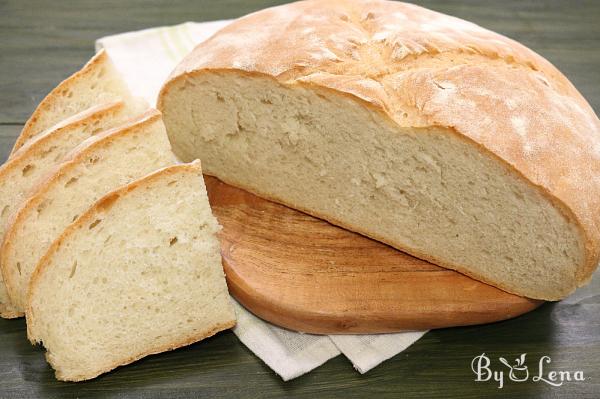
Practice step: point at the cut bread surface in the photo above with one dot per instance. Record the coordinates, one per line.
(96, 83)
(99, 164)
(138, 273)
(427, 191)
(32, 161)
(421, 130)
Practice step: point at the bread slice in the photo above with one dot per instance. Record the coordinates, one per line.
(97, 166)
(138, 273)
(96, 83)
(42, 153)
(420, 130)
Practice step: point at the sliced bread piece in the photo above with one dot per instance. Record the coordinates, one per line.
(42, 153)
(96, 83)
(138, 273)
(98, 165)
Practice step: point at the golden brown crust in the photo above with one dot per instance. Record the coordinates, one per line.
(185, 342)
(79, 120)
(29, 130)
(8, 313)
(70, 161)
(423, 69)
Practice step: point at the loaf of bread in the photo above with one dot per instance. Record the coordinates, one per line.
(98, 165)
(96, 83)
(424, 131)
(42, 153)
(138, 273)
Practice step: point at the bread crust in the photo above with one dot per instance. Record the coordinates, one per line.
(6, 312)
(36, 146)
(96, 62)
(78, 120)
(420, 68)
(91, 214)
(185, 342)
(70, 161)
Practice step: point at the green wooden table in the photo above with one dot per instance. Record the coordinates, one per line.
(42, 42)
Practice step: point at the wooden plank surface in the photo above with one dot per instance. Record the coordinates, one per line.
(42, 42)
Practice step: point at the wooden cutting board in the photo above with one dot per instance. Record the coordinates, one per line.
(302, 273)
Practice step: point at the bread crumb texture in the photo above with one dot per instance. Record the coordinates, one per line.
(138, 275)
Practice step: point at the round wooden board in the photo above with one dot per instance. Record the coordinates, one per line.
(302, 273)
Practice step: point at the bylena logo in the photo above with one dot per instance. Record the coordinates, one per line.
(519, 372)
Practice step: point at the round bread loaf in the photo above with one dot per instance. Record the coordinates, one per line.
(424, 131)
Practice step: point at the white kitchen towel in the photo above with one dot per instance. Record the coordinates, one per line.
(367, 351)
(288, 353)
(145, 59)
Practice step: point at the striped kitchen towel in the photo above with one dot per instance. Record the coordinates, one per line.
(145, 59)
